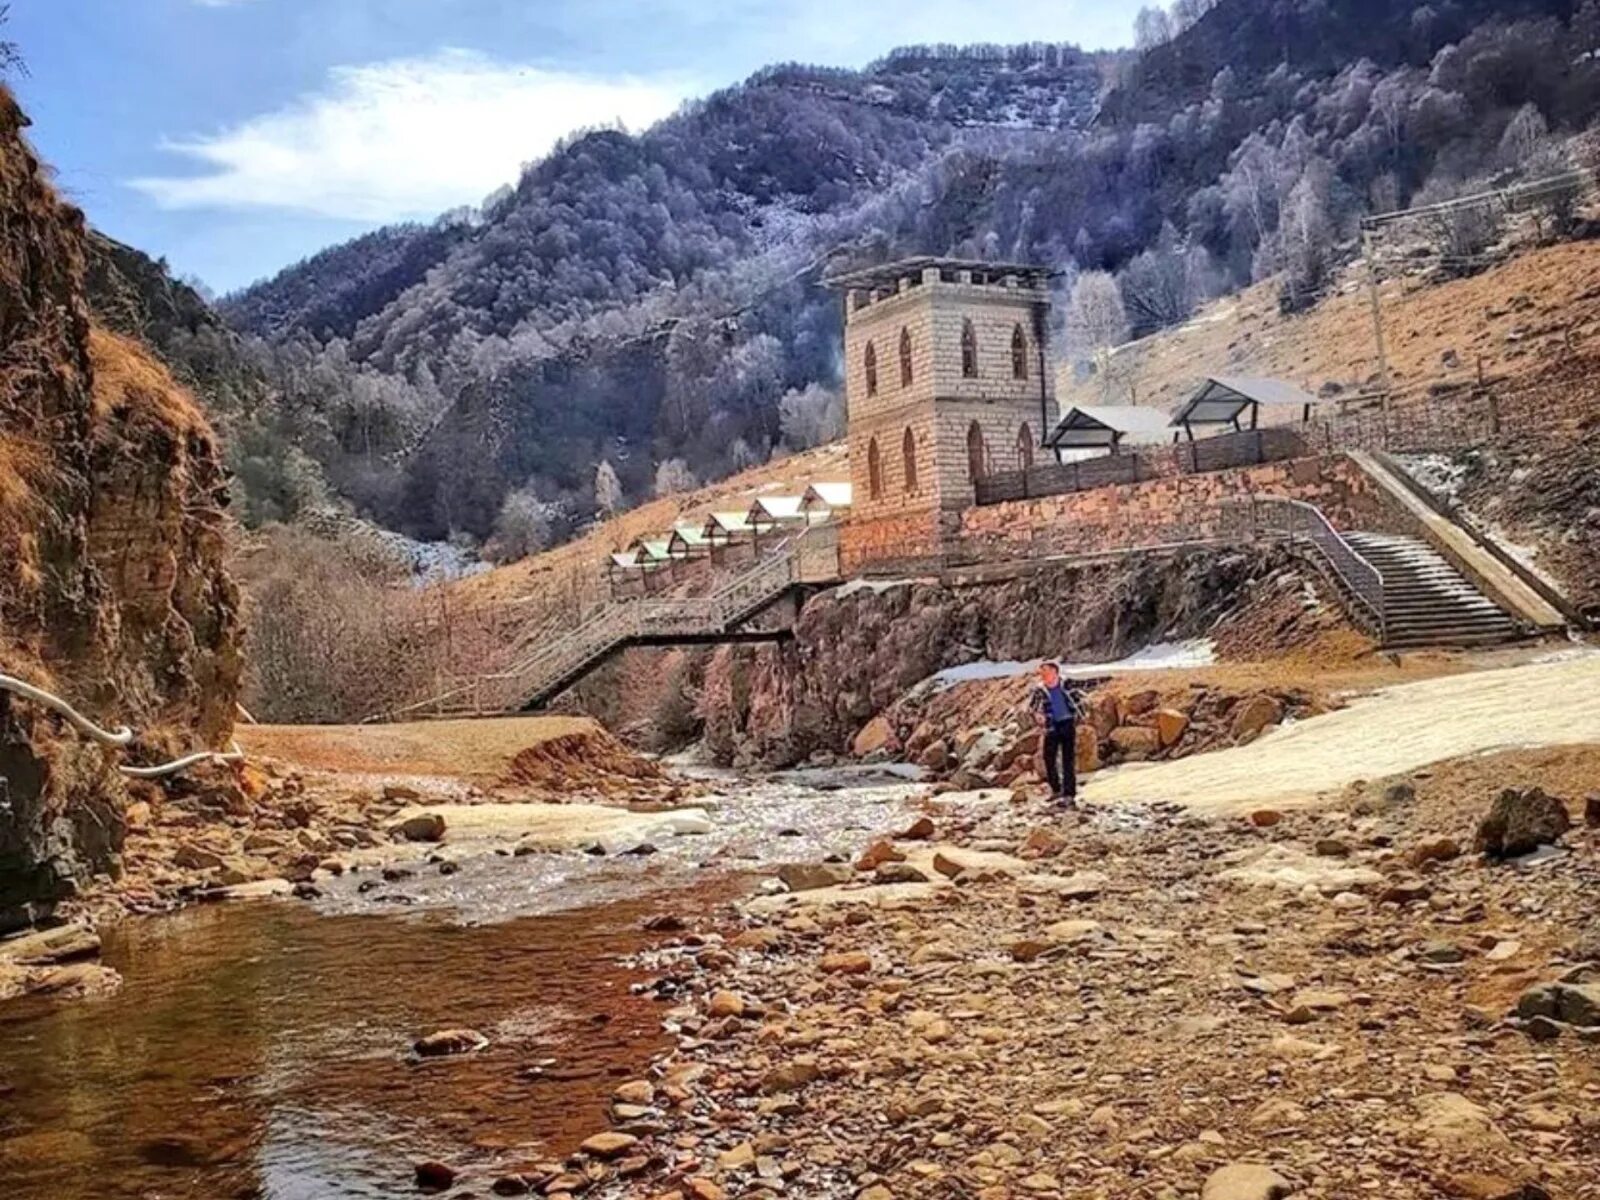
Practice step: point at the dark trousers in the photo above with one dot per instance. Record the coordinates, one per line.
(1061, 757)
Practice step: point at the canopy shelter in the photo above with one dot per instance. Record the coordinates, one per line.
(1225, 399)
(628, 566)
(726, 528)
(820, 499)
(1107, 427)
(688, 541)
(650, 551)
(769, 512)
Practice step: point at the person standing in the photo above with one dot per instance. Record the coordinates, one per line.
(1055, 709)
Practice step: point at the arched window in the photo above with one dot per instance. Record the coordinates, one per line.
(969, 351)
(1024, 447)
(908, 452)
(1019, 354)
(905, 358)
(977, 453)
(874, 471)
(870, 360)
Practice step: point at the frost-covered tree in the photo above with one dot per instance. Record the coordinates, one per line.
(608, 494)
(673, 476)
(1096, 321)
(812, 416)
(524, 526)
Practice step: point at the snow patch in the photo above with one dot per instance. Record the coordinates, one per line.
(1162, 656)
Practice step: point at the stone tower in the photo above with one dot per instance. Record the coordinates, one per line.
(946, 381)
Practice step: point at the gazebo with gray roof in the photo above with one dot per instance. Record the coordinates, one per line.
(1224, 399)
(1107, 426)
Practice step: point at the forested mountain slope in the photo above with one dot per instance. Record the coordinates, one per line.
(651, 304)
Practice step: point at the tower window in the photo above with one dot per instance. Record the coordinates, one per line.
(874, 471)
(908, 452)
(977, 453)
(969, 351)
(1019, 354)
(870, 361)
(905, 358)
(1025, 447)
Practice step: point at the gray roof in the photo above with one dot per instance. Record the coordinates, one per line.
(1105, 424)
(1221, 398)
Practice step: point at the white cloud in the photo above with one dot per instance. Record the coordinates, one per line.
(403, 139)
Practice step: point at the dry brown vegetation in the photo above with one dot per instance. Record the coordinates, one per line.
(1517, 318)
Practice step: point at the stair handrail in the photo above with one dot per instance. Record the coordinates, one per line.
(1282, 518)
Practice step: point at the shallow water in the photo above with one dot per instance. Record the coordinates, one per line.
(262, 1050)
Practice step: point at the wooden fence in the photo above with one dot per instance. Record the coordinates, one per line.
(1248, 448)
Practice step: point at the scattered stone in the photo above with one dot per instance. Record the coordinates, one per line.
(1568, 1003)
(1265, 818)
(450, 1041)
(849, 962)
(812, 877)
(726, 1004)
(1439, 849)
(876, 855)
(1255, 716)
(899, 872)
(921, 830)
(434, 1176)
(1245, 1181)
(608, 1145)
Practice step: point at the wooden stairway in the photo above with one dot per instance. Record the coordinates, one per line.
(811, 558)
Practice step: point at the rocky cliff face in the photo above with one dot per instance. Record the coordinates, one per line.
(113, 589)
(861, 647)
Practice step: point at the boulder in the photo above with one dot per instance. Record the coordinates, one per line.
(1255, 715)
(935, 757)
(1521, 821)
(1591, 812)
(920, 830)
(899, 872)
(1171, 725)
(419, 827)
(1245, 1181)
(1103, 714)
(810, 877)
(1138, 704)
(876, 735)
(47, 947)
(1136, 742)
(1569, 1003)
(193, 857)
(1087, 751)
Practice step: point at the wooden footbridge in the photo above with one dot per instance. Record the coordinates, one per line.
(727, 616)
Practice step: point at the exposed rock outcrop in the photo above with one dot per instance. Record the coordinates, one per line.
(861, 647)
(113, 590)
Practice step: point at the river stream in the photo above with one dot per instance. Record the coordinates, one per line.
(262, 1050)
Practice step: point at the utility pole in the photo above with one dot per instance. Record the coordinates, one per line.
(1377, 308)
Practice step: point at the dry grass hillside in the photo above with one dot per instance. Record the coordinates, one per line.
(1516, 318)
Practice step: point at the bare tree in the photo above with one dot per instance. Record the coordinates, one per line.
(812, 417)
(11, 59)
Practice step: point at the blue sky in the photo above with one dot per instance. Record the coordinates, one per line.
(234, 137)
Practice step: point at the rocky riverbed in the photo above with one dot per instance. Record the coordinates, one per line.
(1012, 1002)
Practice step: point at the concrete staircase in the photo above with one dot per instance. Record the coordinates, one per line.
(1426, 601)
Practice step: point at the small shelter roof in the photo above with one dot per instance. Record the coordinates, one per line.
(727, 524)
(826, 495)
(1106, 426)
(1223, 399)
(630, 560)
(686, 540)
(651, 550)
(776, 510)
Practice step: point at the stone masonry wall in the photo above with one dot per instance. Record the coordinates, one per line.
(1167, 511)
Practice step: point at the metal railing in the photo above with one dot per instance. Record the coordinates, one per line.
(811, 557)
(1277, 518)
